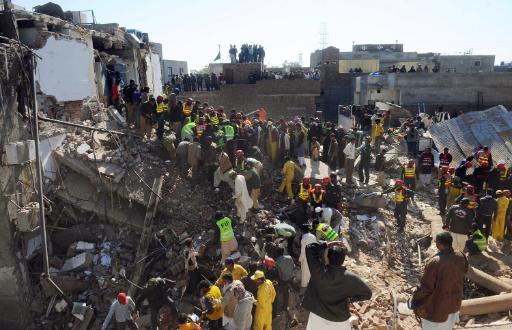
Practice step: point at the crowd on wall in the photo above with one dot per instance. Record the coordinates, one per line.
(196, 82)
(248, 54)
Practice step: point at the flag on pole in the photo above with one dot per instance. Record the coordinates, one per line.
(217, 57)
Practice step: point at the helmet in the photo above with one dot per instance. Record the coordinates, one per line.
(411, 161)
(501, 166)
(239, 153)
(202, 119)
(399, 182)
(499, 192)
(190, 99)
(470, 188)
(444, 168)
(159, 98)
(325, 180)
(318, 186)
(506, 193)
(306, 180)
(318, 209)
(451, 170)
(469, 164)
(464, 201)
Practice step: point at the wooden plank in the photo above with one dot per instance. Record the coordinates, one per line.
(146, 233)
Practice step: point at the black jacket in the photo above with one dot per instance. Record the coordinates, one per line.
(331, 289)
(459, 219)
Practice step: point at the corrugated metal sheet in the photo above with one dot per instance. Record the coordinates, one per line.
(463, 135)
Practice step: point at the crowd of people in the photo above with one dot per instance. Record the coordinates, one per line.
(195, 82)
(292, 75)
(248, 54)
(234, 153)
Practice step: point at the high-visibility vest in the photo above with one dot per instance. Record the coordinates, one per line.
(472, 200)
(503, 174)
(229, 132)
(226, 231)
(399, 195)
(328, 234)
(410, 172)
(481, 243)
(483, 158)
(318, 199)
(448, 181)
(188, 129)
(213, 119)
(187, 110)
(444, 160)
(161, 108)
(200, 128)
(304, 193)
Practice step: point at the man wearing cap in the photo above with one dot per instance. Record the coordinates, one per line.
(122, 308)
(402, 197)
(236, 270)
(438, 298)
(264, 300)
(211, 302)
(243, 308)
(459, 221)
(331, 287)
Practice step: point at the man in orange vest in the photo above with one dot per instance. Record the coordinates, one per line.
(187, 108)
(409, 174)
(317, 196)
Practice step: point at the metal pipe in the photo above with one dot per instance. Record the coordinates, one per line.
(83, 126)
(42, 220)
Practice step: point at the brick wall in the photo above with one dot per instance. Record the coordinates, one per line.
(280, 98)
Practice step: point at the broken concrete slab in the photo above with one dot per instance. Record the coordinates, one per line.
(78, 262)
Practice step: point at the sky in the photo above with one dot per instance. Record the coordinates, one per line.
(191, 30)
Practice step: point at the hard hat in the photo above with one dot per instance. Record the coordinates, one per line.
(464, 201)
(318, 186)
(506, 193)
(499, 192)
(259, 274)
(159, 98)
(411, 161)
(399, 182)
(121, 297)
(306, 180)
(239, 153)
(451, 169)
(470, 188)
(318, 209)
(469, 164)
(325, 180)
(189, 99)
(202, 119)
(444, 168)
(501, 166)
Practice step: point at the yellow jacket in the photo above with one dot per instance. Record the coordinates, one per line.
(289, 169)
(377, 131)
(503, 203)
(237, 273)
(265, 297)
(214, 295)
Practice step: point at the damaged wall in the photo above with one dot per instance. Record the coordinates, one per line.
(154, 73)
(15, 293)
(66, 69)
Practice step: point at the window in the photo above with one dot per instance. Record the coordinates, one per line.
(478, 63)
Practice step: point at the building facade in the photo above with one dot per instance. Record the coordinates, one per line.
(173, 67)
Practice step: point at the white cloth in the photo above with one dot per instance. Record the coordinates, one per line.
(425, 179)
(243, 200)
(304, 268)
(446, 325)
(315, 322)
(459, 241)
(350, 151)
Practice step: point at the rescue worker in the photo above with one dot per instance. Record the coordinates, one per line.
(161, 113)
(288, 172)
(459, 221)
(324, 232)
(426, 167)
(485, 212)
(187, 131)
(409, 174)
(469, 193)
(211, 298)
(225, 234)
(377, 132)
(236, 270)
(187, 108)
(212, 116)
(477, 242)
(273, 142)
(155, 291)
(122, 309)
(330, 216)
(200, 127)
(498, 224)
(402, 196)
(264, 300)
(445, 158)
(454, 191)
(461, 170)
(484, 158)
(443, 188)
(304, 189)
(502, 177)
(317, 196)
